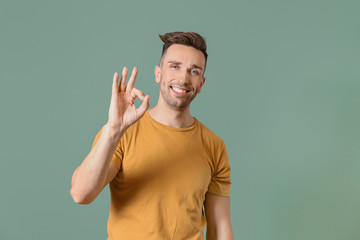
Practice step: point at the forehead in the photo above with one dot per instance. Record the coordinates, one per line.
(184, 54)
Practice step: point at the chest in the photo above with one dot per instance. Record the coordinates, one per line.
(166, 163)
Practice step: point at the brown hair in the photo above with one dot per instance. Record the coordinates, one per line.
(192, 39)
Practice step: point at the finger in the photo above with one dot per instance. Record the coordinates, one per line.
(131, 82)
(115, 86)
(144, 106)
(123, 79)
(137, 93)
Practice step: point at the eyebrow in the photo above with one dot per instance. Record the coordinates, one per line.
(192, 65)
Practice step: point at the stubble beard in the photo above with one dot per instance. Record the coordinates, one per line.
(165, 92)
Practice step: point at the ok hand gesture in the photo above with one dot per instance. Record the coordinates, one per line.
(123, 112)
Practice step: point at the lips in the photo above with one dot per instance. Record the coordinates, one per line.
(179, 90)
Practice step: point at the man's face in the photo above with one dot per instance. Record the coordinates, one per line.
(180, 75)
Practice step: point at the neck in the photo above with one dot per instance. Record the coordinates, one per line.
(178, 118)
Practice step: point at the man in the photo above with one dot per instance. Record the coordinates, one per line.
(163, 165)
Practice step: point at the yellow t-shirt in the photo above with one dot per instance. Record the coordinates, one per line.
(164, 174)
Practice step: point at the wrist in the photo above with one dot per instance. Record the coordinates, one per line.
(114, 134)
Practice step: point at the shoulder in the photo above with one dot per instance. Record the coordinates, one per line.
(210, 138)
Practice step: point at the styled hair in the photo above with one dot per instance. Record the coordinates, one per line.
(192, 39)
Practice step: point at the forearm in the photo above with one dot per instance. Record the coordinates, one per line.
(210, 236)
(224, 232)
(89, 178)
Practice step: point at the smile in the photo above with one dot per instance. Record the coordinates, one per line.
(179, 91)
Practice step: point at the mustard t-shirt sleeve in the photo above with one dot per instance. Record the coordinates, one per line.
(220, 181)
(118, 154)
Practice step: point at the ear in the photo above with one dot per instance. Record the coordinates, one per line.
(202, 83)
(157, 73)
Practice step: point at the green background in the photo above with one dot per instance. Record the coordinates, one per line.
(282, 90)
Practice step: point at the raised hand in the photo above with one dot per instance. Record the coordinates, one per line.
(123, 112)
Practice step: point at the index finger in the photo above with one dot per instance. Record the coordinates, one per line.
(131, 81)
(115, 81)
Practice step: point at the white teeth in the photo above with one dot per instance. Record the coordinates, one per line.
(178, 90)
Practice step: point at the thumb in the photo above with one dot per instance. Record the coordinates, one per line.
(144, 105)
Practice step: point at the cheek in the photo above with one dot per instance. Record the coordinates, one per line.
(198, 84)
(163, 83)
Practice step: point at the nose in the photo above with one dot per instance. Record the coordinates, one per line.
(184, 76)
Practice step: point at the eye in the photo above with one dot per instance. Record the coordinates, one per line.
(174, 67)
(195, 72)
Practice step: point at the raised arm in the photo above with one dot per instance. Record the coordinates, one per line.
(97, 170)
